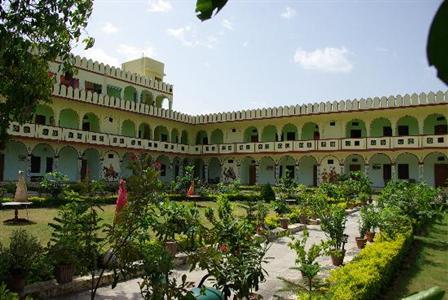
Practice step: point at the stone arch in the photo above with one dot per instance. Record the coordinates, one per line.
(161, 134)
(111, 166)
(42, 161)
(267, 170)
(214, 170)
(308, 170)
(310, 131)
(144, 131)
(289, 132)
(355, 128)
(407, 165)
(217, 137)
(251, 135)
(68, 118)
(248, 171)
(184, 137)
(287, 166)
(380, 171)
(435, 169)
(130, 94)
(90, 164)
(407, 125)
(201, 138)
(43, 115)
(165, 170)
(380, 127)
(90, 122)
(174, 136)
(68, 158)
(269, 134)
(16, 155)
(125, 168)
(162, 102)
(128, 128)
(435, 124)
(146, 97)
(330, 163)
(354, 163)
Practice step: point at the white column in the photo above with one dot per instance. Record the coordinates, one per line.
(319, 179)
(393, 171)
(277, 173)
(257, 173)
(296, 172)
(366, 170)
(79, 167)
(55, 162)
(420, 171)
(341, 169)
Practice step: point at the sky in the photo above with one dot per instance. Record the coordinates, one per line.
(266, 53)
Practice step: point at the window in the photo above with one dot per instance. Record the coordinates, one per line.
(233, 130)
(403, 130)
(35, 164)
(330, 161)
(403, 171)
(110, 155)
(355, 133)
(333, 123)
(163, 137)
(290, 136)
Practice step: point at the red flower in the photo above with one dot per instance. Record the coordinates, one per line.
(224, 248)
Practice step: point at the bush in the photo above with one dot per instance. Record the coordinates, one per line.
(267, 193)
(272, 221)
(54, 183)
(369, 273)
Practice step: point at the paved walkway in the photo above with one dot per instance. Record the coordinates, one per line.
(282, 259)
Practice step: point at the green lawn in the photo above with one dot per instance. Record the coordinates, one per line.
(427, 264)
(42, 216)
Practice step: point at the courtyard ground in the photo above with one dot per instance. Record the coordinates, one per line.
(282, 260)
(426, 265)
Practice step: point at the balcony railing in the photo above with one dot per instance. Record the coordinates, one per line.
(344, 144)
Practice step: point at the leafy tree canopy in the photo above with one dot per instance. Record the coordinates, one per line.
(32, 33)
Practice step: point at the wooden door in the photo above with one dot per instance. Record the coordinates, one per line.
(355, 133)
(254, 139)
(387, 173)
(315, 175)
(441, 129)
(355, 167)
(2, 166)
(252, 175)
(403, 171)
(440, 174)
(316, 135)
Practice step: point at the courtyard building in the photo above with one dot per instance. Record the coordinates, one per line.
(102, 117)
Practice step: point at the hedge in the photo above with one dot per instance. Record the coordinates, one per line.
(370, 272)
(42, 202)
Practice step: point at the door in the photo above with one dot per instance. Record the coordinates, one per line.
(403, 171)
(2, 166)
(355, 167)
(254, 139)
(315, 175)
(387, 173)
(440, 174)
(83, 169)
(440, 129)
(355, 133)
(252, 174)
(403, 130)
(387, 131)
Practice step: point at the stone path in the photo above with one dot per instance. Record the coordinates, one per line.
(282, 259)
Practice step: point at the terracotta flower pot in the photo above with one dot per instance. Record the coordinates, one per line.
(171, 247)
(337, 258)
(361, 242)
(284, 223)
(16, 283)
(64, 273)
(370, 236)
(303, 219)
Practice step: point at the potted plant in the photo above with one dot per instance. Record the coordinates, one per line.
(261, 214)
(363, 226)
(281, 209)
(23, 251)
(370, 217)
(63, 255)
(333, 222)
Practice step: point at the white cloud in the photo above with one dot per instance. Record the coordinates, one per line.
(109, 28)
(131, 52)
(183, 35)
(100, 55)
(381, 49)
(328, 59)
(245, 44)
(227, 24)
(159, 6)
(289, 13)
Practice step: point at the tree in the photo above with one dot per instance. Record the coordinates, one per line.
(32, 33)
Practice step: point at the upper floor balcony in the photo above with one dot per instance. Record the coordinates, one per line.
(60, 134)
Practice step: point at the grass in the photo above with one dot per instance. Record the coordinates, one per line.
(42, 216)
(426, 265)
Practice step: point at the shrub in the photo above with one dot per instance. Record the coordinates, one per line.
(267, 193)
(367, 274)
(272, 221)
(53, 183)
(280, 207)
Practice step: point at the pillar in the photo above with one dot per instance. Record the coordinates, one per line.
(28, 167)
(420, 171)
(55, 163)
(341, 169)
(296, 172)
(319, 179)
(206, 172)
(393, 168)
(181, 170)
(366, 170)
(80, 167)
(277, 173)
(257, 173)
